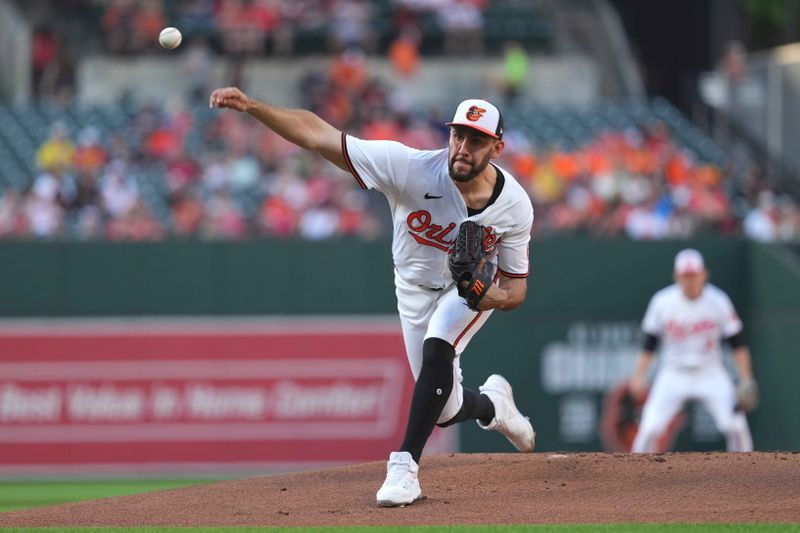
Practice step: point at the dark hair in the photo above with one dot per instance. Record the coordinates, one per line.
(499, 130)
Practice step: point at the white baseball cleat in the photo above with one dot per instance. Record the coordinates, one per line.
(507, 419)
(401, 486)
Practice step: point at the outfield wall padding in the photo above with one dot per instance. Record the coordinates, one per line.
(573, 339)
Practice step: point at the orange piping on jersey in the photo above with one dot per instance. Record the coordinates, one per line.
(511, 275)
(467, 328)
(349, 164)
(496, 276)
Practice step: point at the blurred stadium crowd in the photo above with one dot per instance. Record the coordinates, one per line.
(241, 29)
(295, 26)
(144, 172)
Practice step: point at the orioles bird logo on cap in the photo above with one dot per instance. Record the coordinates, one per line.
(475, 113)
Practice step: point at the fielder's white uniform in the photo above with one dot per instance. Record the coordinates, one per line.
(690, 333)
(427, 209)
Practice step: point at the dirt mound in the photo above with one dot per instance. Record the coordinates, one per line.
(472, 489)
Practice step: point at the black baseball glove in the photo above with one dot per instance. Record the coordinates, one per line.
(470, 263)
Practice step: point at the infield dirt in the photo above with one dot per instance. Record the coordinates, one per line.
(472, 489)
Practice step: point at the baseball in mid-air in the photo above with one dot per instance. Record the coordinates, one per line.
(170, 37)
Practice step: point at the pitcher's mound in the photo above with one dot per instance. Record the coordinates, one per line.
(472, 489)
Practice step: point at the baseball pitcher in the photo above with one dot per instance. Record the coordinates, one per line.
(461, 229)
(690, 319)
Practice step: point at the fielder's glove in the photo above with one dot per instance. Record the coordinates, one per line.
(746, 395)
(470, 263)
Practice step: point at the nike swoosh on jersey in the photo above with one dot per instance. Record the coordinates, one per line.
(429, 197)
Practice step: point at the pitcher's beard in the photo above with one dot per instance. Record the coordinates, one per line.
(469, 175)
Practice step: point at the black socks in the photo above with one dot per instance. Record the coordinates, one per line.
(474, 406)
(433, 387)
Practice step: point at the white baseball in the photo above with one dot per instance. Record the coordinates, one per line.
(170, 37)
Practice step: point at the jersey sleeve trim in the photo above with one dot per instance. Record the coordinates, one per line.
(650, 342)
(349, 163)
(513, 275)
(735, 341)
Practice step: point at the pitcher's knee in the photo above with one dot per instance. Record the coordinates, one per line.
(437, 352)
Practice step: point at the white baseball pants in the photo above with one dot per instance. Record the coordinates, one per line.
(442, 314)
(673, 387)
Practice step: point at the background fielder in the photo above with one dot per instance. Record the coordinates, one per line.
(430, 194)
(690, 318)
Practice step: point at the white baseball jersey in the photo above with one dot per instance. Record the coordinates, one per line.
(691, 330)
(427, 209)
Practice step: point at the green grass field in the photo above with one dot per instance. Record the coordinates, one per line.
(26, 494)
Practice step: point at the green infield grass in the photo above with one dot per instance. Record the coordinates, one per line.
(24, 494)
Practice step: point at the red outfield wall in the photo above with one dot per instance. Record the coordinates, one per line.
(201, 395)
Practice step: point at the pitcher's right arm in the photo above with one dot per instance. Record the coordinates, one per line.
(298, 126)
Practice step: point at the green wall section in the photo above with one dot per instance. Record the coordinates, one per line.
(182, 278)
(607, 279)
(600, 279)
(774, 312)
(574, 337)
